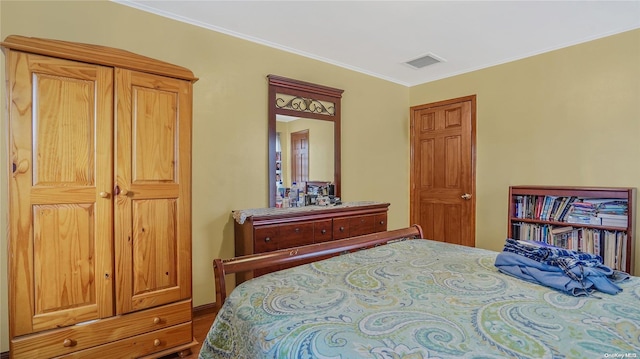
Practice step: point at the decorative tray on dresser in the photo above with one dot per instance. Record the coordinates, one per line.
(268, 229)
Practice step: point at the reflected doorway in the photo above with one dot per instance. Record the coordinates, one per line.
(300, 156)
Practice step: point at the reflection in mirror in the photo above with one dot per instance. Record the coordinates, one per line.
(304, 141)
(304, 150)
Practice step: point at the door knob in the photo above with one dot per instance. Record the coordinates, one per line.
(466, 196)
(119, 191)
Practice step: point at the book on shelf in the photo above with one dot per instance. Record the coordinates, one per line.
(610, 245)
(583, 219)
(615, 252)
(613, 220)
(546, 208)
(564, 208)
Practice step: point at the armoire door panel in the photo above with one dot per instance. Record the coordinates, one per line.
(154, 127)
(154, 245)
(63, 251)
(60, 227)
(63, 141)
(152, 176)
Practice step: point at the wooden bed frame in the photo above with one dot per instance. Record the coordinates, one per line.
(222, 267)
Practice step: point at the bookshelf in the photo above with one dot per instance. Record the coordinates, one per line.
(596, 220)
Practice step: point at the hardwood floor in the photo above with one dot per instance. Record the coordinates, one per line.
(201, 325)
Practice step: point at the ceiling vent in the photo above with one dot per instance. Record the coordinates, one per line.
(424, 61)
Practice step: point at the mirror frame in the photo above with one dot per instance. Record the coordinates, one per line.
(308, 93)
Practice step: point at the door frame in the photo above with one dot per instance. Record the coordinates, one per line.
(412, 168)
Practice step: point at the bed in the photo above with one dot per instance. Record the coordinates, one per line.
(407, 297)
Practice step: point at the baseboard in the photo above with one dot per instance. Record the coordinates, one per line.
(197, 311)
(202, 310)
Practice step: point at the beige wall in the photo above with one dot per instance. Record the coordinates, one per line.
(569, 117)
(230, 118)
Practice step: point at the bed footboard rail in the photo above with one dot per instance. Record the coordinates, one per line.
(222, 267)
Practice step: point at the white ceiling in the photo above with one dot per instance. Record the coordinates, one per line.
(377, 37)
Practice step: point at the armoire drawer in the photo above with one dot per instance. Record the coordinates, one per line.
(140, 345)
(87, 335)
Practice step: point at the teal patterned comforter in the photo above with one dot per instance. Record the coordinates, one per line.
(418, 299)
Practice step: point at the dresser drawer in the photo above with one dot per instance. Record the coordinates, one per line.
(380, 222)
(266, 239)
(361, 225)
(296, 234)
(340, 228)
(274, 237)
(77, 337)
(139, 345)
(322, 231)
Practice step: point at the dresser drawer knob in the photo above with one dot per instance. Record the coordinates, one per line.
(297, 230)
(341, 229)
(267, 239)
(69, 343)
(323, 231)
(156, 343)
(381, 222)
(157, 320)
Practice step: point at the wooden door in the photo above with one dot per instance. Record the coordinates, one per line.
(300, 156)
(60, 205)
(153, 190)
(442, 170)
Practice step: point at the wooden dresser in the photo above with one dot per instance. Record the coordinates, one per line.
(99, 202)
(269, 229)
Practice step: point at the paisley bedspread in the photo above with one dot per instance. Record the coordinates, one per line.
(419, 299)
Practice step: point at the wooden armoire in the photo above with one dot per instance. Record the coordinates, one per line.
(99, 182)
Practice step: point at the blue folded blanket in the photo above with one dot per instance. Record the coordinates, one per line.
(572, 272)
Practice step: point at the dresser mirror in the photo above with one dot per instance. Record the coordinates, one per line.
(304, 134)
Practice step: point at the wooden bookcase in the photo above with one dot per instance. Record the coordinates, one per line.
(552, 214)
